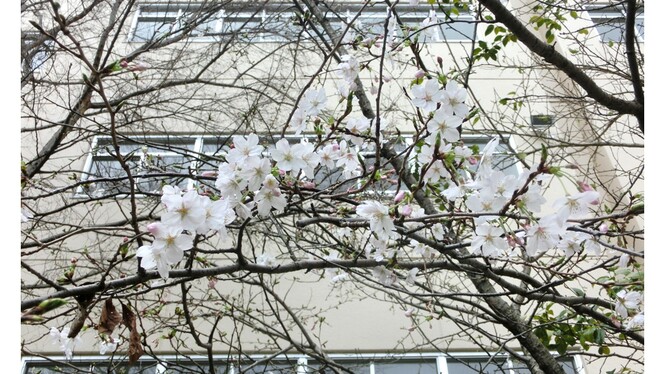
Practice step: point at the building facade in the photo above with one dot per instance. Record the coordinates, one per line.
(129, 105)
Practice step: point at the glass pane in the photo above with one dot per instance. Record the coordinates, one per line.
(476, 366)
(268, 368)
(164, 165)
(152, 28)
(88, 367)
(405, 367)
(108, 168)
(216, 146)
(199, 367)
(357, 367)
(457, 31)
(610, 29)
(639, 27)
(280, 27)
(568, 365)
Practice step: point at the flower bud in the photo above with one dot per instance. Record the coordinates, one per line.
(583, 186)
(603, 228)
(439, 60)
(400, 196)
(209, 173)
(153, 228)
(420, 74)
(139, 66)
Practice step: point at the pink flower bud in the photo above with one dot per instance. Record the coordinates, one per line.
(74, 260)
(472, 160)
(400, 196)
(406, 210)
(139, 66)
(209, 173)
(420, 74)
(153, 228)
(309, 185)
(583, 186)
(511, 241)
(125, 239)
(123, 64)
(603, 228)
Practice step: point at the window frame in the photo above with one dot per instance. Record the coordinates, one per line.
(414, 15)
(95, 153)
(439, 359)
(197, 152)
(246, 14)
(605, 14)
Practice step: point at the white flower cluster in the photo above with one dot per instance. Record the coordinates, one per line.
(61, 338)
(186, 214)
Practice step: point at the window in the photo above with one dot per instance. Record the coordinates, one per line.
(542, 120)
(278, 23)
(269, 24)
(426, 363)
(610, 22)
(153, 162)
(89, 366)
(372, 23)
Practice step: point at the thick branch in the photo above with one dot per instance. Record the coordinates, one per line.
(549, 54)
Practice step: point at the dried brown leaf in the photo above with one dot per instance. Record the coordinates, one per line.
(135, 346)
(109, 319)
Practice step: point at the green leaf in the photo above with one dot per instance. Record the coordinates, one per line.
(489, 29)
(549, 36)
(574, 14)
(604, 350)
(578, 292)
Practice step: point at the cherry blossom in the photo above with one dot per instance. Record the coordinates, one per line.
(186, 212)
(543, 235)
(298, 121)
(378, 217)
(488, 241)
(314, 101)
(255, 170)
(427, 95)
(575, 205)
(453, 100)
(288, 157)
(269, 198)
(625, 301)
(429, 26)
(411, 276)
(66, 343)
(348, 69)
(444, 124)
(244, 149)
(384, 276)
